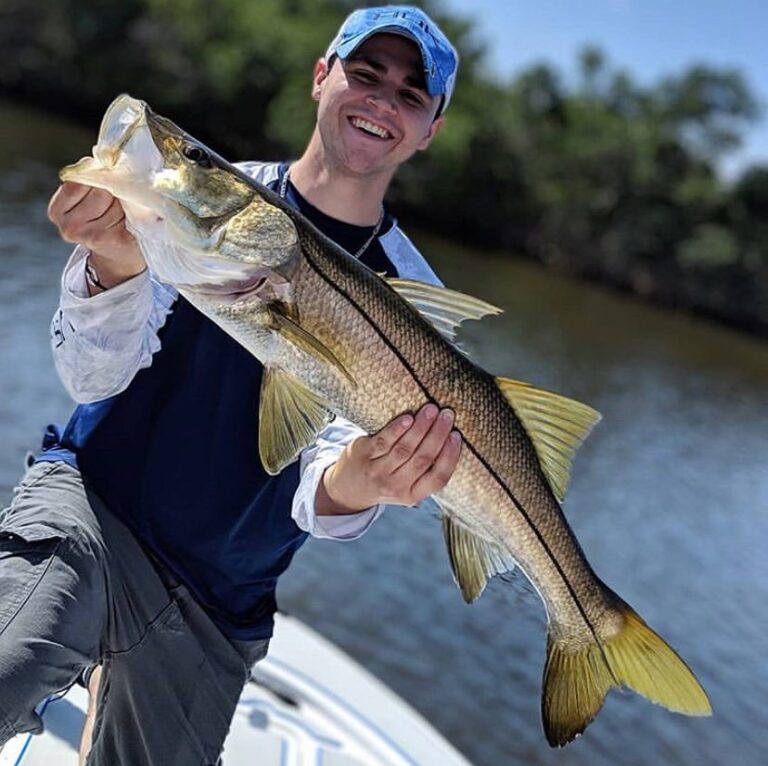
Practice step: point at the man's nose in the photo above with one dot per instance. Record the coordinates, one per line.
(383, 100)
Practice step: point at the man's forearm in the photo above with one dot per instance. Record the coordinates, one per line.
(100, 341)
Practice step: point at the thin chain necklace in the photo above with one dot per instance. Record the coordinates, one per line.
(284, 188)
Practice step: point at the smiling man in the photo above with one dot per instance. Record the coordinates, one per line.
(146, 541)
(375, 111)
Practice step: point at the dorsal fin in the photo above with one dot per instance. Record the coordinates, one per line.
(445, 309)
(473, 560)
(556, 425)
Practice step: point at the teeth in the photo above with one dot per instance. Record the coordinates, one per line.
(369, 127)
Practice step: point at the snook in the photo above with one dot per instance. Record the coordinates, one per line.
(335, 337)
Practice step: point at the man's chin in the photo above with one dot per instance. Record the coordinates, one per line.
(366, 165)
(375, 160)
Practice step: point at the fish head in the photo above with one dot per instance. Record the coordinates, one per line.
(146, 160)
(192, 175)
(219, 211)
(201, 224)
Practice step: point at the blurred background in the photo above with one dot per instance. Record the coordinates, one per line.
(603, 177)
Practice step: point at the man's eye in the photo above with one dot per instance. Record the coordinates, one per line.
(364, 76)
(411, 98)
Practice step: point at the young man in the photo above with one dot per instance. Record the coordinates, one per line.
(147, 537)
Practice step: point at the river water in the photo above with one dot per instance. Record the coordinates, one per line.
(669, 498)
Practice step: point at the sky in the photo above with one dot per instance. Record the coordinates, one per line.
(648, 38)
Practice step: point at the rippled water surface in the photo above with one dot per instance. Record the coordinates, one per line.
(669, 498)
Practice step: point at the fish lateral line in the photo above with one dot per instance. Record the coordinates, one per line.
(563, 576)
(515, 502)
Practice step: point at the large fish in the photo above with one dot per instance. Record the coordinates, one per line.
(334, 337)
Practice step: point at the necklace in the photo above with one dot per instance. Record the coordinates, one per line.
(368, 242)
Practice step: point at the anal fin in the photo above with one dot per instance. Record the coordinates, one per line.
(473, 560)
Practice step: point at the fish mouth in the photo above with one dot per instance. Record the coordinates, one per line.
(125, 158)
(122, 119)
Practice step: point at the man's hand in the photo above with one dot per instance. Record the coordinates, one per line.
(95, 219)
(410, 459)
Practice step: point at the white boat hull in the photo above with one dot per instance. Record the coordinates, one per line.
(307, 704)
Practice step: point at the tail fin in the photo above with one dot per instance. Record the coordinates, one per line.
(576, 682)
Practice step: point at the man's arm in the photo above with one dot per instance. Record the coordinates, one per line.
(102, 335)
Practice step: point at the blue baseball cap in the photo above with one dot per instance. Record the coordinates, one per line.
(440, 58)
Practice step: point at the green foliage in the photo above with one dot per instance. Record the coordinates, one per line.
(710, 246)
(598, 175)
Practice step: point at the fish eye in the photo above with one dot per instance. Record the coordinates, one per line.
(197, 155)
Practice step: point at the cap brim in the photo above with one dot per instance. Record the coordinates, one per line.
(434, 84)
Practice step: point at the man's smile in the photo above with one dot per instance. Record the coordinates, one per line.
(370, 128)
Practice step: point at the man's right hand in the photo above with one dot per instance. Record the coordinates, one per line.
(95, 219)
(408, 460)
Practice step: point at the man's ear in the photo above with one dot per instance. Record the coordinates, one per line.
(434, 129)
(318, 76)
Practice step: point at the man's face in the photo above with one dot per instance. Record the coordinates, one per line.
(374, 111)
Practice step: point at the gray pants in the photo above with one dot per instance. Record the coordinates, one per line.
(76, 588)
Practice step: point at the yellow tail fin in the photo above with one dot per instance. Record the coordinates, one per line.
(576, 682)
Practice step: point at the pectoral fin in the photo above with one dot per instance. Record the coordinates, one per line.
(445, 309)
(304, 340)
(556, 425)
(290, 418)
(473, 560)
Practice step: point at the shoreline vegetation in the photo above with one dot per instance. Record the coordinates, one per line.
(595, 176)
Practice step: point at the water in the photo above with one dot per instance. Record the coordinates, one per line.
(669, 499)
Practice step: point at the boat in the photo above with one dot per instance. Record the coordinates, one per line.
(307, 703)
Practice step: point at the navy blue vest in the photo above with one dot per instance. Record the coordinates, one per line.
(175, 456)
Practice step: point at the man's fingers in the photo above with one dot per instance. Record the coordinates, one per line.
(402, 450)
(113, 216)
(426, 451)
(441, 470)
(90, 219)
(409, 459)
(78, 202)
(108, 229)
(95, 203)
(381, 442)
(64, 199)
(429, 448)
(119, 217)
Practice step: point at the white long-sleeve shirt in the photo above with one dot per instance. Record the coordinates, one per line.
(101, 342)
